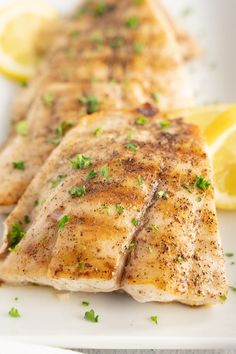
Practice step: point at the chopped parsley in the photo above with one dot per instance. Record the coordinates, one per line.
(202, 183)
(223, 297)
(162, 194)
(48, 99)
(63, 128)
(154, 319)
(179, 259)
(26, 219)
(85, 303)
(117, 43)
(104, 171)
(135, 222)
(57, 181)
(91, 316)
(141, 120)
(13, 312)
(154, 227)
(83, 265)
(164, 124)
(187, 186)
(132, 22)
(78, 191)
(149, 249)
(155, 96)
(199, 199)
(16, 298)
(81, 162)
(138, 47)
(97, 132)
(229, 254)
(18, 165)
(100, 9)
(54, 141)
(119, 209)
(132, 147)
(129, 136)
(140, 180)
(92, 174)
(15, 235)
(63, 221)
(132, 245)
(22, 128)
(92, 103)
(233, 288)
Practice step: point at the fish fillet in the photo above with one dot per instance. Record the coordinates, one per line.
(121, 210)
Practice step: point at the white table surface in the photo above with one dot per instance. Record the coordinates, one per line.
(87, 351)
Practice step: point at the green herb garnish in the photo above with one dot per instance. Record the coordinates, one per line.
(117, 43)
(92, 174)
(135, 222)
(179, 259)
(81, 162)
(56, 182)
(187, 186)
(78, 191)
(119, 209)
(140, 180)
(91, 316)
(15, 235)
(26, 219)
(54, 141)
(154, 227)
(48, 99)
(162, 194)
(223, 297)
(202, 183)
(83, 265)
(129, 136)
(63, 221)
(97, 132)
(154, 319)
(85, 303)
(63, 128)
(132, 22)
(13, 312)
(164, 124)
(229, 254)
(104, 171)
(155, 96)
(141, 120)
(18, 165)
(132, 147)
(138, 47)
(233, 288)
(100, 9)
(132, 245)
(22, 128)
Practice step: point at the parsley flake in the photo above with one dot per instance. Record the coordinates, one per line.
(140, 180)
(138, 47)
(48, 99)
(18, 165)
(85, 303)
(15, 235)
(164, 124)
(154, 319)
(135, 222)
(180, 259)
(162, 194)
(63, 221)
(129, 136)
(13, 312)
(92, 174)
(132, 147)
(22, 128)
(54, 141)
(92, 103)
(63, 128)
(223, 297)
(233, 288)
(91, 316)
(132, 245)
(81, 162)
(78, 191)
(119, 209)
(26, 219)
(97, 132)
(229, 254)
(83, 265)
(202, 183)
(187, 186)
(104, 171)
(141, 120)
(132, 22)
(154, 227)
(155, 96)
(100, 9)
(57, 181)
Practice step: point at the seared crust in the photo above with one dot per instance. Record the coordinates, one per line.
(180, 260)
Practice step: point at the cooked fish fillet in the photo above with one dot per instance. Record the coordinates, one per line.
(126, 42)
(58, 108)
(124, 213)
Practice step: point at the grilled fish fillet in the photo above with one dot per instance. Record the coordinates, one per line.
(125, 41)
(58, 108)
(122, 209)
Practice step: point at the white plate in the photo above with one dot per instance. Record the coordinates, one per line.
(123, 322)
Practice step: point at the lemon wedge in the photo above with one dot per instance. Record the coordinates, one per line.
(20, 24)
(221, 137)
(218, 124)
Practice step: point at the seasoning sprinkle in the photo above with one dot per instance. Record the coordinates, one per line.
(18, 165)
(78, 191)
(81, 162)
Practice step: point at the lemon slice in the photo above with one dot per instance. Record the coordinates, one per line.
(221, 137)
(20, 25)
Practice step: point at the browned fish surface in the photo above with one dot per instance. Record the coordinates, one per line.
(126, 202)
(119, 40)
